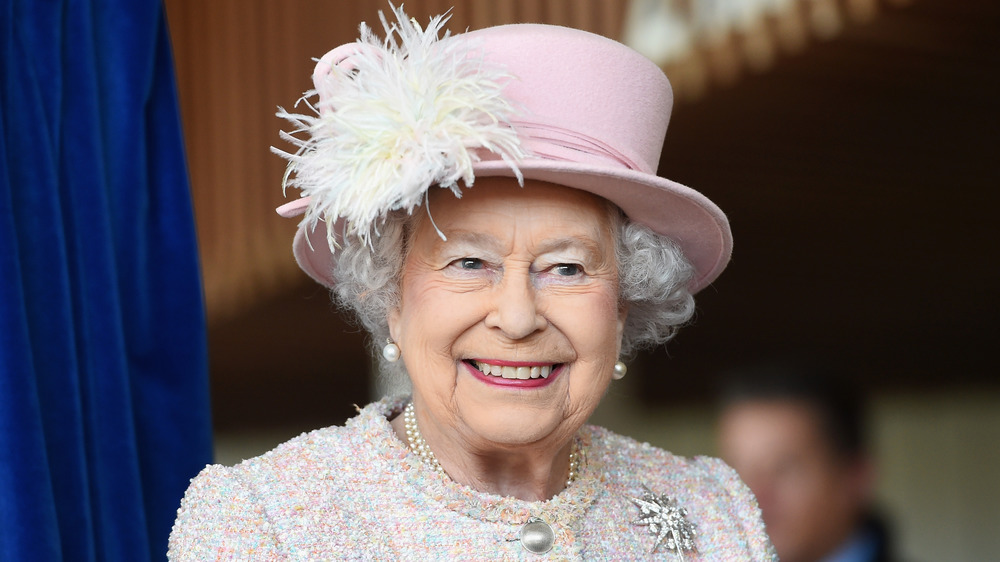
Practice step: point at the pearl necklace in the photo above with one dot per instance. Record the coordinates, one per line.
(417, 442)
(419, 446)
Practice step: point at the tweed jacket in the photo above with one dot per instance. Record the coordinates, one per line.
(357, 493)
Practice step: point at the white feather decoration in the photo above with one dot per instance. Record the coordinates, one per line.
(406, 113)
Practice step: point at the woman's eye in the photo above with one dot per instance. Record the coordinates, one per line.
(470, 263)
(567, 269)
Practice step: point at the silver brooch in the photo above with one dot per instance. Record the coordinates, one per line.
(667, 520)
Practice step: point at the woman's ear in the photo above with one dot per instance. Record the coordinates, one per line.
(393, 321)
(622, 317)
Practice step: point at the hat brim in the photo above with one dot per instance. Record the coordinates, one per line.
(671, 209)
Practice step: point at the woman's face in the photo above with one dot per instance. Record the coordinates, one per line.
(524, 288)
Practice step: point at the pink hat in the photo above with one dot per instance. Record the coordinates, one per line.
(589, 113)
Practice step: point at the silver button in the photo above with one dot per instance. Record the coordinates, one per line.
(536, 536)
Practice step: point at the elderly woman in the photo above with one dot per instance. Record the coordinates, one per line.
(507, 304)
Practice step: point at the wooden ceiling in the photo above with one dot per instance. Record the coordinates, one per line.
(860, 176)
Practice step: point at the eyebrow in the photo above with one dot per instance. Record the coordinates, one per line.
(554, 244)
(562, 243)
(471, 238)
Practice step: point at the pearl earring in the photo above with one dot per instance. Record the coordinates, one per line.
(620, 370)
(391, 351)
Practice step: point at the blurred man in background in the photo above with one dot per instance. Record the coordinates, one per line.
(798, 440)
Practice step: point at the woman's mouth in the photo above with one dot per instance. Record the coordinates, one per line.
(515, 371)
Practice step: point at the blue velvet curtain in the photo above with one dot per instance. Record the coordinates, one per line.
(103, 373)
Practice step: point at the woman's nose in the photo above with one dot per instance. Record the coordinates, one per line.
(515, 307)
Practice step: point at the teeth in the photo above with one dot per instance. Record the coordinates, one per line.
(522, 373)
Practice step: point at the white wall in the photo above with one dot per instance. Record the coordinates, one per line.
(940, 473)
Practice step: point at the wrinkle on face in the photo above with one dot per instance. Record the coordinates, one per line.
(449, 314)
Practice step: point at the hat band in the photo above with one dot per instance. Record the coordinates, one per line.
(550, 142)
(541, 140)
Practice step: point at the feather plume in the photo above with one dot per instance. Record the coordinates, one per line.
(395, 117)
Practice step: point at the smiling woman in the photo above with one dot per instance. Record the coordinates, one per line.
(507, 306)
(523, 278)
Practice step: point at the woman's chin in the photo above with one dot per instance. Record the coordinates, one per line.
(511, 430)
(513, 422)
(512, 411)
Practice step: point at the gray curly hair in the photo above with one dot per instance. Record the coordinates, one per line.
(653, 280)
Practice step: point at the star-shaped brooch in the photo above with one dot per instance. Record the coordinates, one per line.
(667, 520)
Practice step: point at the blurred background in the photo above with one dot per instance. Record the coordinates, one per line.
(852, 143)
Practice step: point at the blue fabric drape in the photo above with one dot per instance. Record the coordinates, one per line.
(103, 373)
